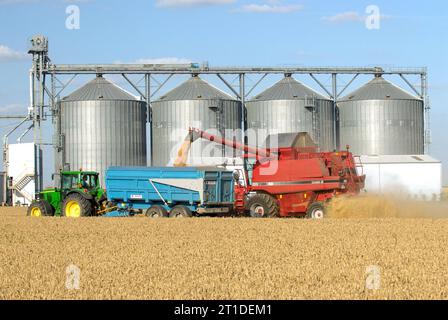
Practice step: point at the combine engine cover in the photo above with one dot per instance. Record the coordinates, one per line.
(295, 175)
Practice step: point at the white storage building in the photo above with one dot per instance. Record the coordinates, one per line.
(20, 159)
(412, 176)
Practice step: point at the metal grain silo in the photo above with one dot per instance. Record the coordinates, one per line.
(381, 119)
(290, 106)
(102, 125)
(194, 103)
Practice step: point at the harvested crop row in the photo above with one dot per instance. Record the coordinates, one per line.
(204, 258)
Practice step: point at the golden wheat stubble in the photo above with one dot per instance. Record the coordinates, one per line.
(205, 258)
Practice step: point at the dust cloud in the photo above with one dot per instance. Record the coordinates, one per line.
(382, 206)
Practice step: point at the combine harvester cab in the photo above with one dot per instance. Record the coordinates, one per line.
(169, 191)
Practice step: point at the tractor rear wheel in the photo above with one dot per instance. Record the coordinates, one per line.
(316, 210)
(75, 206)
(180, 212)
(156, 212)
(263, 205)
(40, 208)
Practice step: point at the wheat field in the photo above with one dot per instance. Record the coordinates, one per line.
(222, 258)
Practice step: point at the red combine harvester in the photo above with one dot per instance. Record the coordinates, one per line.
(292, 179)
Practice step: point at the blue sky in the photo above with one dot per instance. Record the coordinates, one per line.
(231, 33)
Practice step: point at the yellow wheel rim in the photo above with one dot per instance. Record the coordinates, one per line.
(35, 212)
(73, 209)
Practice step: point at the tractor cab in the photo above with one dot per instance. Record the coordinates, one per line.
(83, 180)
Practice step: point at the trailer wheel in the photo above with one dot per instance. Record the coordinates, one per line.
(75, 206)
(316, 210)
(180, 212)
(40, 208)
(263, 206)
(156, 212)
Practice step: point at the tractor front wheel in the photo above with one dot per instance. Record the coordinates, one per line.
(40, 208)
(75, 206)
(156, 212)
(262, 206)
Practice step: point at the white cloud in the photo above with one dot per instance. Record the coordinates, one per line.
(15, 1)
(5, 2)
(270, 8)
(349, 16)
(14, 109)
(36, 1)
(8, 54)
(163, 60)
(191, 3)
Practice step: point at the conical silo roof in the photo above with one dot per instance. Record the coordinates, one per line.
(379, 89)
(195, 89)
(99, 89)
(288, 89)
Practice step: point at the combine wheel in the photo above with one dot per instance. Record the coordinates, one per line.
(263, 206)
(156, 212)
(316, 210)
(40, 208)
(75, 206)
(180, 212)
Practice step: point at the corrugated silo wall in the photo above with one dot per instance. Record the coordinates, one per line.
(284, 116)
(327, 125)
(382, 127)
(172, 119)
(2, 187)
(99, 134)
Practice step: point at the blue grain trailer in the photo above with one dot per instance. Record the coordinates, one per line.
(169, 191)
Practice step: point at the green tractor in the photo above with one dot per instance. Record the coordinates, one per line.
(78, 195)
